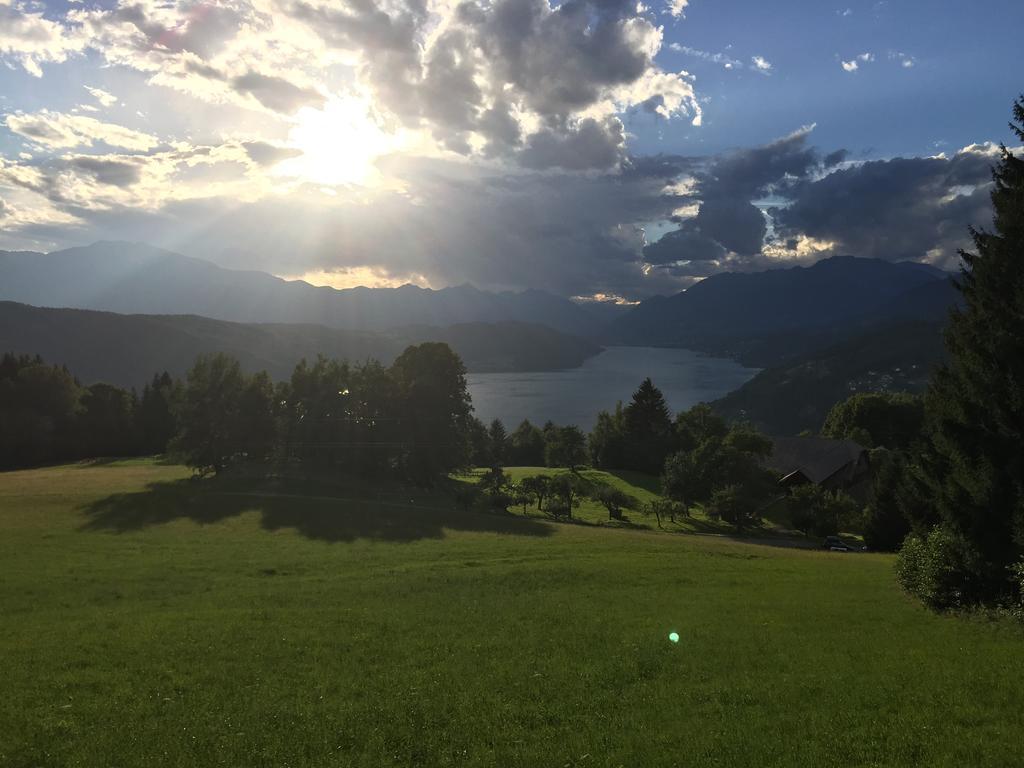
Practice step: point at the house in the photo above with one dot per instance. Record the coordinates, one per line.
(831, 464)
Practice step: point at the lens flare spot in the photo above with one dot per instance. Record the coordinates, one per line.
(673, 636)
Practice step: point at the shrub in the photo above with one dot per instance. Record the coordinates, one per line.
(929, 568)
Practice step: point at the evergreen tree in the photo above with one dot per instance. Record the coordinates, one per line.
(648, 425)
(497, 443)
(974, 465)
(156, 422)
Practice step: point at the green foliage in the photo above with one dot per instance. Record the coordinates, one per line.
(479, 442)
(930, 568)
(718, 461)
(613, 499)
(106, 423)
(647, 430)
(565, 490)
(893, 420)
(665, 509)
(698, 424)
(526, 446)
(39, 405)
(973, 461)
(537, 487)
(564, 446)
(735, 504)
(211, 434)
(156, 416)
(815, 510)
(607, 441)
(886, 521)
(434, 409)
(497, 443)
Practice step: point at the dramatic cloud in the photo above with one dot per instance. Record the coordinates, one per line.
(899, 209)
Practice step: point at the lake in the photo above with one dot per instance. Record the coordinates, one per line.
(576, 396)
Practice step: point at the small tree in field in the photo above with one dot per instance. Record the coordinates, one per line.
(566, 490)
(736, 505)
(539, 486)
(614, 500)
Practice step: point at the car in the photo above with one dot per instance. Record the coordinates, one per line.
(835, 544)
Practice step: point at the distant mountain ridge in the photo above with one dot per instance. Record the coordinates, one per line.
(134, 278)
(757, 316)
(128, 349)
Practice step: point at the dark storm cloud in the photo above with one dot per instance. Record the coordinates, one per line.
(683, 244)
(592, 144)
(737, 225)
(751, 173)
(895, 209)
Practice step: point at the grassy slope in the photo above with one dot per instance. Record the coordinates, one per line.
(178, 626)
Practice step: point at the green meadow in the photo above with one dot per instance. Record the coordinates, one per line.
(147, 619)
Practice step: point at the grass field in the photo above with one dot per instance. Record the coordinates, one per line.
(148, 620)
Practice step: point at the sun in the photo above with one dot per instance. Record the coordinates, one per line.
(340, 144)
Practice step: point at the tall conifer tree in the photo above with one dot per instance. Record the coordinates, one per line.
(974, 465)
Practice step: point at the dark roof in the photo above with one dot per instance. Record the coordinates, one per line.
(817, 458)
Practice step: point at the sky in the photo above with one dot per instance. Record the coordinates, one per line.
(599, 149)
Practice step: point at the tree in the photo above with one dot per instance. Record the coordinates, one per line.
(434, 410)
(155, 417)
(564, 446)
(614, 500)
(479, 442)
(886, 522)
(973, 463)
(526, 446)
(257, 425)
(648, 430)
(537, 486)
(890, 419)
(735, 504)
(566, 488)
(698, 424)
(815, 510)
(39, 405)
(497, 443)
(210, 434)
(662, 508)
(106, 423)
(607, 441)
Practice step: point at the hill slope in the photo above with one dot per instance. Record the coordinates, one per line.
(794, 396)
(127, 349)
(132, 278)
(763, 317)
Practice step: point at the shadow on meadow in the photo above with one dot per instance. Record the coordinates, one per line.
(402, 515)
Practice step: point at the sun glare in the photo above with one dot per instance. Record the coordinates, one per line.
(339, 144)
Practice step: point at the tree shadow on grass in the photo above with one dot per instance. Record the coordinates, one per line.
(395, 516)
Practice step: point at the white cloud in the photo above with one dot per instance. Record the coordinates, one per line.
(761, 64)
(104, 98)
(677, 8)
(58, 130)
(30, 39)
(854, 64)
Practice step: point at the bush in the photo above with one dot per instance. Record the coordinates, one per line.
(929, 568)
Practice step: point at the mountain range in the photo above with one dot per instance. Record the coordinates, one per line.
(765, 318)
(128, 349)
(135, 278)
